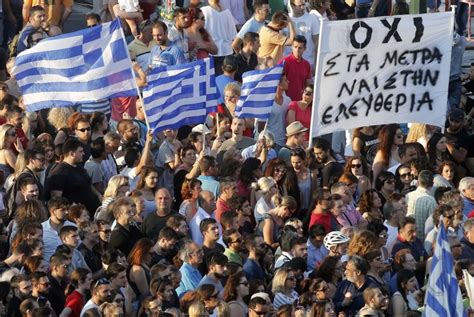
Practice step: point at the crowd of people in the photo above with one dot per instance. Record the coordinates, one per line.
(232, 217)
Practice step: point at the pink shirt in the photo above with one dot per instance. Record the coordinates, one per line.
(303, 116)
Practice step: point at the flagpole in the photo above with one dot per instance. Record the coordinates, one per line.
(135, 78)
(316, 81)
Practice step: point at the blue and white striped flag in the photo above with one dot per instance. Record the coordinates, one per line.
(443, 296)
(83, 66)
(180, 95)
(258, 92)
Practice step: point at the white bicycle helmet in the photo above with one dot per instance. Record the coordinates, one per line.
(334, 238)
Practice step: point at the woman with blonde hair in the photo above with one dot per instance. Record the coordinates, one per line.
(20, 166)
(197, 309)
(283, 287)
(270, 226)
(8, 140)
(117, 187)
(58, 118)
(421, 133)
(267, 187)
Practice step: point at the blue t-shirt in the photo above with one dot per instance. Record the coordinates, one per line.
(221, 82)
(170, 56)
(251, 25)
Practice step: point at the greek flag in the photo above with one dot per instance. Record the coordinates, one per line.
(443, 297)
(180, 95)
(258, 92)
(73, 68)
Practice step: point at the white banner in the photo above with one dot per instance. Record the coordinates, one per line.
(382, 70)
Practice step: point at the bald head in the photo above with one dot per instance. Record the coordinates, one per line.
(163, 202)
(207, 201)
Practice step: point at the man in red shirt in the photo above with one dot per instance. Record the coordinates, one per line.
(228, 190)
(297, 69)
(322, 212)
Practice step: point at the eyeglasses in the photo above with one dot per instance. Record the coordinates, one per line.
(101, 281)
(356, 165)
(84, 129)
(406, 175)
(259, 313)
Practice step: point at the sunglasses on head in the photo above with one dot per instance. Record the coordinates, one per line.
(101, 281)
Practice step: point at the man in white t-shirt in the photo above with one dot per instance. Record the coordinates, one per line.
(307, 25)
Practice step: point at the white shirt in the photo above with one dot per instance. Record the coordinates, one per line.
(282, 259)
(306, 25)
(90, 304)
(194, 223)
(222, 29)
(392, 233)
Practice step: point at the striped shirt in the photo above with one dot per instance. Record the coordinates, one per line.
(420, 206)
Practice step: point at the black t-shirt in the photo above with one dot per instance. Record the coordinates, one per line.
(461, 139)
(91, 257)
(152, 225)
(244, 66)
(75, 184)
(330, 173)
(56, 295)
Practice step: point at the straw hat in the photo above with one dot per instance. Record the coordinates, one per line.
(295, 128)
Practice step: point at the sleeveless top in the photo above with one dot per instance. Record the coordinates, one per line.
(133, 285)
(305, 191)
(369, 147)
(276, 227)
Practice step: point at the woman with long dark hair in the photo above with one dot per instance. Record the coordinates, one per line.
(330, 270)
(200, 41)
(190, 193)
(390, 137)
(148, 185)
(437, 150)
(370, 206)
(99, 125)
(357, 166)
(236, 288)
(403, 300)
(385, 184)
(403, 179)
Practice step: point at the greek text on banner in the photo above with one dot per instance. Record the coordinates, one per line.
(382, 70)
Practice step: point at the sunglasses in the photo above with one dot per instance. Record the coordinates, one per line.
(92, 25)
(356, 165)
(259, 313)
(101, 281)
(406, 175)
(84, 129)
